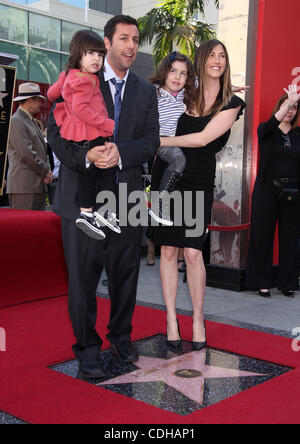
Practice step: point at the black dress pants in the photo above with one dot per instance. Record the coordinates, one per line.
(86, 258)
(266, 211)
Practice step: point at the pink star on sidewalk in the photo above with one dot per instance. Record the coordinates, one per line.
(185, 373)
(2, 96)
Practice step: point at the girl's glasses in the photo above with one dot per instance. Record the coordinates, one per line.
(286, 142)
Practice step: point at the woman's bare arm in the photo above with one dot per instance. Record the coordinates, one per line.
(218, 126)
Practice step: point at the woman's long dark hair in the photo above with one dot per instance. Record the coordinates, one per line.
(225, 94)
(160, 76)
(82, 42)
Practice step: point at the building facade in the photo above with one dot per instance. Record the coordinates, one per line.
(39, 33)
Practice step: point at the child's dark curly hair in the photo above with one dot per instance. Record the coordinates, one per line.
(160, 76)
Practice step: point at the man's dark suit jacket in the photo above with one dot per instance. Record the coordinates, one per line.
(137, 141)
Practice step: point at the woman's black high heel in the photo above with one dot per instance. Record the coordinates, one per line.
(174, 346)
(288, 294)
(265, 294)
(198, 346)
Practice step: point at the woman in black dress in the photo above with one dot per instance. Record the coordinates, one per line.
(201, 136)
(276, 198)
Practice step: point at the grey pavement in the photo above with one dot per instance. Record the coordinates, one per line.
(278, 315)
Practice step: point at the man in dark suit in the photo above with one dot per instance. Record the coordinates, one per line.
(135, 143)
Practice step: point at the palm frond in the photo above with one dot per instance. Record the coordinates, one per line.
(173, 23)
(162, 47)
(190, 6)
(153, 22)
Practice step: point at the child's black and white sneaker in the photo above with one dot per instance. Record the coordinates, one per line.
(160, 211)
(89, 225)
(109, 220)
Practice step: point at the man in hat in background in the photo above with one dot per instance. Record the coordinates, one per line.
(29, 171)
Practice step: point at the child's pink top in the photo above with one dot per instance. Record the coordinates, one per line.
(83, 114)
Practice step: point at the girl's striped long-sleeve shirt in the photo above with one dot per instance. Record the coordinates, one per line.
(170, 109)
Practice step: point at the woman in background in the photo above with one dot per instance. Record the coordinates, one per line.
(276, 198)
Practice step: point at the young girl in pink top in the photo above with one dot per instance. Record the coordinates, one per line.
(83, 119)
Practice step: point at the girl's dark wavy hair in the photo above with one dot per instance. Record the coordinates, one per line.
(81, 42)
(160, 76)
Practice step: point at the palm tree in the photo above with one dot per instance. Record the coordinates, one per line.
(173, 24)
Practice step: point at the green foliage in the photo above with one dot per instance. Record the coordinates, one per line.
(173, 25)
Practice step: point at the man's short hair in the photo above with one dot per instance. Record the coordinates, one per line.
(111, 25)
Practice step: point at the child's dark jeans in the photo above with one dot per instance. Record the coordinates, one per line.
(95, 179)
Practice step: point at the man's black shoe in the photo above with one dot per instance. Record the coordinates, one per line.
(91, 370)
(125, 351)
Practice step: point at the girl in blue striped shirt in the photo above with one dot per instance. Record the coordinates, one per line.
(175, 81)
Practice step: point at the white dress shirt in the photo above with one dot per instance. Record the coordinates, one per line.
(56, 166)
(110, 74)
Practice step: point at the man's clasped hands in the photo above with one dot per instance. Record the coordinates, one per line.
(105, 156)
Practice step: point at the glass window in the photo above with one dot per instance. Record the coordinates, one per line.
(13, 24)
(22, 63)
(68, 30)
(98, 31)
(64, 59)
(44, 66)
(113, 7)
(44, 31)
(99, 5)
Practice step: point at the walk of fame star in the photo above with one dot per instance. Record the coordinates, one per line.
(172, 372)
(2, 96)
(182, 383)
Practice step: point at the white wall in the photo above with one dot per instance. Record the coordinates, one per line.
(211, 15)
(72, 13)
(138, 8)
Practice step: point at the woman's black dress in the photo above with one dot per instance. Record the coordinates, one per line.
(199, 175)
